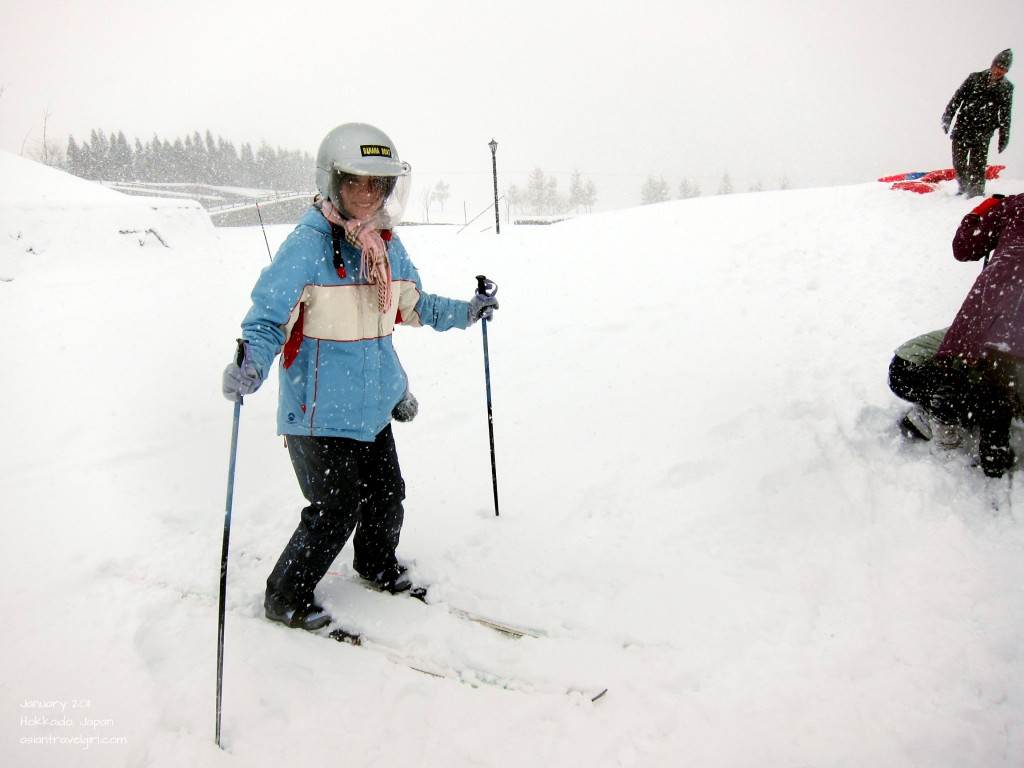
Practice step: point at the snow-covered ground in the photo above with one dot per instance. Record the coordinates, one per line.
(705, 504)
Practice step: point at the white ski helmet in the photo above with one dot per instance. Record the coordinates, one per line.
(360, 149)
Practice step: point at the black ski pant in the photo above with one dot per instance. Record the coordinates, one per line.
(350, 485)
(970, 159)
(957, 394)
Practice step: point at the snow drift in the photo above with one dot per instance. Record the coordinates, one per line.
(42, 207)
(705, 502)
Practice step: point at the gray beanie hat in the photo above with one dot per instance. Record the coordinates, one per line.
(1003, 59)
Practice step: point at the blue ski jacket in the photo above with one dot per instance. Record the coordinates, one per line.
(339, 375)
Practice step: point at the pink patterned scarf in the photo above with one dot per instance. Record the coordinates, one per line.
(374, 266)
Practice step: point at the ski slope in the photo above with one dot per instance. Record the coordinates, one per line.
(705, 505)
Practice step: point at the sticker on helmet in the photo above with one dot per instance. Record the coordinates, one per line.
(375, 150)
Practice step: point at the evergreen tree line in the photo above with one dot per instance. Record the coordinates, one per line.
(542, 197)
(195, 159)
(656, 190)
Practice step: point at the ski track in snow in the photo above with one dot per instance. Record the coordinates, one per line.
(705, 504)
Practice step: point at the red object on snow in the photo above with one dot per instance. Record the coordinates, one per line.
(923, 182)
(904, 176)
(921, 187)
(946, 174)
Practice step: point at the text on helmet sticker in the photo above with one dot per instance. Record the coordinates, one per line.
(375, 150)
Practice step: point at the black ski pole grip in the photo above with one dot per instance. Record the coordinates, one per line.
(481, 285)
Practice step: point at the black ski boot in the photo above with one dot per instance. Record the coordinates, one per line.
(309, 616)
(996, 460)
(915, 424)
(392, 579)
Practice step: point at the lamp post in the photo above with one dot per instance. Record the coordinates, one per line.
(494, 171)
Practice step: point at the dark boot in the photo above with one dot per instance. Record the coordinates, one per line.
(393, 579)
(996, 459)
(308, 616)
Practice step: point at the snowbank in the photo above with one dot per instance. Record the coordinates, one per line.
(44, 210)
(706, 506)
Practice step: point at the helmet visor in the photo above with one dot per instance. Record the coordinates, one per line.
(380, 198)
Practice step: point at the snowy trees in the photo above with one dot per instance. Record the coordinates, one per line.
(196, 159)
(654, 190)
(441, 193)
(589, 195)
(542, 197)
(438, 193)
(688, 189)
(582, 194)
(541, 193)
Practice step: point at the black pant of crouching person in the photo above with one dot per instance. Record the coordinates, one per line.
(980, 396)
(351, 485)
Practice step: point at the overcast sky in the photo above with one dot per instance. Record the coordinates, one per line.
(819, 91)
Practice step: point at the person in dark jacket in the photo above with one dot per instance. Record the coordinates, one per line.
(986, 338)
(981, 106)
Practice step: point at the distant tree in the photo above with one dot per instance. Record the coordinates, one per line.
(784, 182)
(757, 186)
(155, 159)
(688, 190)
(536, 191)
(513, 197)
(554, 203)
(428, 199)
(120, 157)
(193, 166)
(654, 190)
(139, 162)
(99, 154)
(576, 191)
(441, 193)
(725, 186)
(247, 167)
(74, 158)
(227, 162)
(49, 154)
(178, 163)
(589, 196)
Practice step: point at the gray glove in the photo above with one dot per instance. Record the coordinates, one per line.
(241, 377)
(407, 408)
(482, 307)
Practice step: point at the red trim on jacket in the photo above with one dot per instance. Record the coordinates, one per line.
(316, 387)
(291, 347)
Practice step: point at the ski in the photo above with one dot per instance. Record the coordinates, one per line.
(515, 631)
(474, 678)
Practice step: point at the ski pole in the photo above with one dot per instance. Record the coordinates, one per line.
(264, 230)
(485, 287)
(239, 357)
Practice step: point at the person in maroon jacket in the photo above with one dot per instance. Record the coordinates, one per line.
(986, 339)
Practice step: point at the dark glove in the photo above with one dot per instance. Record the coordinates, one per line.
(482, 307)
(1004, 139)
(241, 377)
(407, 408)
